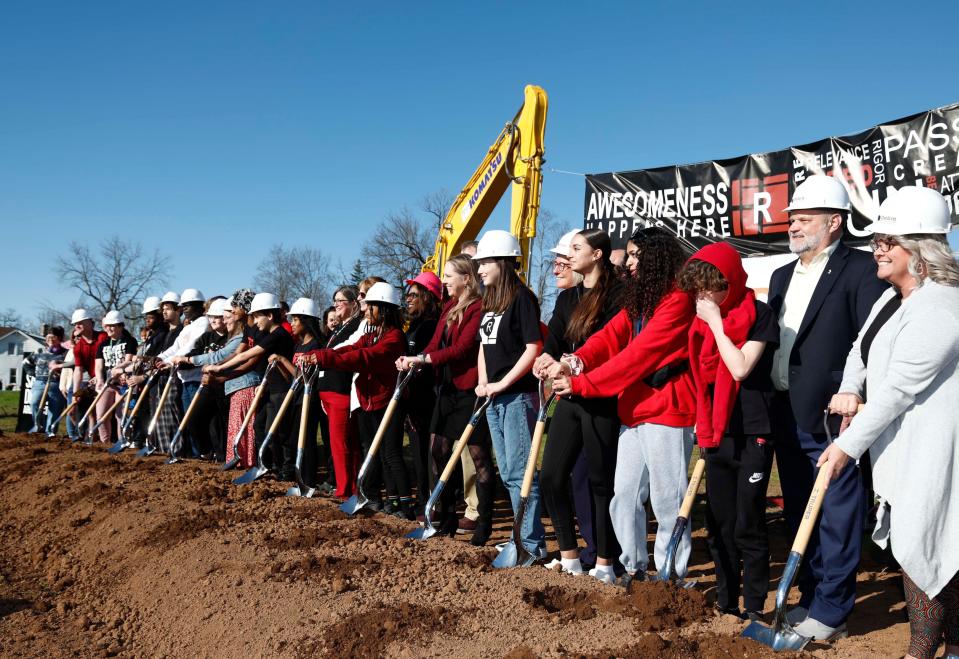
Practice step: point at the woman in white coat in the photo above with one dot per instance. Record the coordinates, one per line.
(905, 367)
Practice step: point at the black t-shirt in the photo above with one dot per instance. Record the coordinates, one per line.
(503, 338)
(751, 412)
(112, 351)
(155, 344)
(556, 342)
(276, 342)
(333, 379)
(418, 336)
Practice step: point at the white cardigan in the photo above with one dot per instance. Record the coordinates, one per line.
(910, 426)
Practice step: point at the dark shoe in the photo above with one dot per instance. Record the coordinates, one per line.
(449, 524)
(752, 616)
(466, 525)
(326, 488)
(482, 533)
(376, 505)
(389, 508)
(730, 611)
(404, 511)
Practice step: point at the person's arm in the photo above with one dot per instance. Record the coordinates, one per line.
(462, 344)
(99, 373)
(482, 378)
(239, 360)
(520, 368)
(285, 364)
(232, 347)
(665, 334)
(378, 358)
(607, 342)
(740, 362)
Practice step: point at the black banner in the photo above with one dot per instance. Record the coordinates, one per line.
(741, 200)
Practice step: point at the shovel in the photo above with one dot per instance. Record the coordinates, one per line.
(301, 489)
(148, 449)
(247, 418)
(86, 414)
(107, 414)
(260, 469)
(358, 501)
(122, 441)
(175, 442)
(43, 400)
(428, 530)
(72, 406)
(668, 571)
(515, 554)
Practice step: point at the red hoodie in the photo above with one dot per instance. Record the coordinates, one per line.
(374, 359)
(615, 362)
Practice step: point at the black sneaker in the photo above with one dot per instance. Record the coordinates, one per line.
(376, 505)
(752, 616)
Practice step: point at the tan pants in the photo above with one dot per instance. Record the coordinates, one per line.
(469, 486)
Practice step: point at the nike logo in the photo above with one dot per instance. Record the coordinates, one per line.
(755, 478)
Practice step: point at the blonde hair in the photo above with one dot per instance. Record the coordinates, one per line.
(464, 266)
(930, 256)
(367, 283)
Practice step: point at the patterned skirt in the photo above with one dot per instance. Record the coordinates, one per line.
(170, 414)
(240, 402)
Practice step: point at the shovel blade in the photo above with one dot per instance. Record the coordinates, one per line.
(145, 451)
(250, 475)
(513, 555)
(298, 491)
(422, 533)
(353, 505)
(118, 446)
(172, 461)
(779, 639)
(232, 464)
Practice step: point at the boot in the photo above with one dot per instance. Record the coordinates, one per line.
(484, 522)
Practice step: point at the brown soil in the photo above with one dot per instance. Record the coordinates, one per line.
(112, 556)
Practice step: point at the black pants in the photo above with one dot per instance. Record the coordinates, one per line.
(273, 455)
(737, 474)
(387, 467)
(581, 425)
(419, 413)
(208, 422)
(308, 466)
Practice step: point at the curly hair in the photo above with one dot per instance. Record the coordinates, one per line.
(658, 264)
(697, 276)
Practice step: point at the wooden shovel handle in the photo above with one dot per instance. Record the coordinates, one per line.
(304, 417)
(143, 395)
(533, 457)
(457, 451)
(163, 396)
(694, 481)
(290, 394)
(381, 431)
(93, 405)
(113, 407)
(189, 410)
(252, 409)
(813, 506)
(43, 396)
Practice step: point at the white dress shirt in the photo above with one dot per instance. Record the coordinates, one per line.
(183, 344)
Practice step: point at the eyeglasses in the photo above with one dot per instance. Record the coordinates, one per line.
(361, 296)
(883, 244)
(335, 301)
(410, 294)
(559, 265)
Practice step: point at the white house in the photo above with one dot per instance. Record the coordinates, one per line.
(15, 344)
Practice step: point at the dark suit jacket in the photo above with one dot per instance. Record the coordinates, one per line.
(837, 310)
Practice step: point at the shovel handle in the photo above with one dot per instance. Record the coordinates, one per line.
(290, 394)
(110, 410)
(93, 406)
(813, 506)
(694, 481)
(381, 431)
(464, 438)
(142, 397)
(189, 410)
(43, 396)
(533, 457)
(304, 416)
(163, 396)
(256, 401)
(72, 406)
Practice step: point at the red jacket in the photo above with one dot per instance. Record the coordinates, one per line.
(462, 345)
(374, 362)
(615, 362)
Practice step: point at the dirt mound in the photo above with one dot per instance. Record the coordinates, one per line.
(106, 555)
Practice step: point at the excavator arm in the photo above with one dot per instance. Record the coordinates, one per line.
(515, 160)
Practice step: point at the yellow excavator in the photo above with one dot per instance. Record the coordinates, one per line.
(515, 160)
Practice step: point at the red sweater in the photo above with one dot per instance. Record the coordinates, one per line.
(85, 354)
(374, 362)
(462, 345)
(615, 362)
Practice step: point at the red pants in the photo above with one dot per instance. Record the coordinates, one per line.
(344, 446)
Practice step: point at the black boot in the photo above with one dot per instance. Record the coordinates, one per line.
(484, 522)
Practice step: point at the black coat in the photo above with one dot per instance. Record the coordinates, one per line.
(837, 310)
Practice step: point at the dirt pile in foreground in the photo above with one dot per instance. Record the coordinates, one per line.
(113, 556)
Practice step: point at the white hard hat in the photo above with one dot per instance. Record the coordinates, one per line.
(192, 295)
(264, 302)
(170, 296)
(562, 247)
(113, 318)
(152, 303)
(79, 315)
(819, 191)
(305, 307)
(217, 307)
(912, 210)
(495, 243)
(383, 293)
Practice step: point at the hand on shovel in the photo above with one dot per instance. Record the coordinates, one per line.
(833, 460)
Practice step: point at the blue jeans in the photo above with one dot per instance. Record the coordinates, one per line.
(55, 404)
(72, 431)
(187, 392)
(511, 419)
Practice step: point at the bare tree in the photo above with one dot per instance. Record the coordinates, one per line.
(114, 275)
(398, 246)
(548, 232)
(437, 205)
(9, 317)
(295, 272)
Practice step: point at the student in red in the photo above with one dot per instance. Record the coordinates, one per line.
(731, 348)
(641, 356)
(373, 358)
(86, 343)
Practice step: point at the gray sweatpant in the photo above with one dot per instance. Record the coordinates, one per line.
(651, 463)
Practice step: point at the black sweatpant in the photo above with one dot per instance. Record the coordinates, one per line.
(592, 426)
(387, 467)
(208, 422)
(308, 466)
(737, 474)
(419, 413)
(273, 456)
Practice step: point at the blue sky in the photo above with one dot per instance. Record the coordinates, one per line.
(213, 130)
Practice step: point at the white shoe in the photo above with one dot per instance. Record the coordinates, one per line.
(572, 566)
(606, 576)
(502, 545)
(796, 615)
(817, 631)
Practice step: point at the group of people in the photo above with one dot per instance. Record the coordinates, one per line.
(648, 358)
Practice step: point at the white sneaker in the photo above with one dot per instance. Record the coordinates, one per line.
(796, 615)
(570, 566)
(817, 631)
(607, 576)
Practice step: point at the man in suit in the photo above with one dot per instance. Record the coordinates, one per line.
(821, 300)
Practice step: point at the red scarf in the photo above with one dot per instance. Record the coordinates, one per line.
(739, 314)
